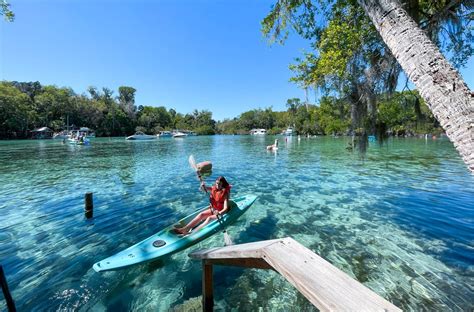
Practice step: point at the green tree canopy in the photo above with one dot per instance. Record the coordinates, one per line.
(6, 12)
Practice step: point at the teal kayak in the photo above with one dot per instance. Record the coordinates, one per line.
(166, 242)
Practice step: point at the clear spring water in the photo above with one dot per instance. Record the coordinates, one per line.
(400, 220)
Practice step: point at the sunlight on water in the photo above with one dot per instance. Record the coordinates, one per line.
(398, 219)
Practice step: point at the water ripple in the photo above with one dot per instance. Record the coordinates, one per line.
(399, 219)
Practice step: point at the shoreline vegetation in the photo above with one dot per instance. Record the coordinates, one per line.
(26, 106)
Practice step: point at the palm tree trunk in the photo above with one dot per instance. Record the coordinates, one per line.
(442, 87)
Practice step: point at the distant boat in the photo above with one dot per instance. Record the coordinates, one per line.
(78, 138)
(42, 133)
(179, 135)
(165, 134)
(65, 134)
(289, 131)
(62, 135)
(83, 131)
(258, 132)
(141, 136)
(87, 132)
(189, 132)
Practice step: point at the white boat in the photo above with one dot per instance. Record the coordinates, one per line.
(83, 131)
(87, 132)
(78, 138)
(42, 133)
(258, 132)
(141, 136)
(289, 131)
(179, 135)
(65, 134)
(165, 134)
(62, 135)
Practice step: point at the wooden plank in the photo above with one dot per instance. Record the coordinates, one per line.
(207, 287)
(250, 250)
(242, 262)
(324, 285)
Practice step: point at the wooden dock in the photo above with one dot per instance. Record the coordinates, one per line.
(324, 285)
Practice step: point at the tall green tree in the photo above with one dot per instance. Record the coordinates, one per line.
(53, 105)
(5, 10)
(203, 123)
(30, 88)
(154, 119)
(127, 100)
(95, 95)
(411, 47)
(17, 112)
(88, 113)
(293, 106)
(333, 116)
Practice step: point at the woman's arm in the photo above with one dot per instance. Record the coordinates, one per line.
(204, 187)
(226, 206)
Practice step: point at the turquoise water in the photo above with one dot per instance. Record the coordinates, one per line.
(400, 220)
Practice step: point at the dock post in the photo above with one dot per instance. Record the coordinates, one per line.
(88, 205)
(6, 291)
(207, 289)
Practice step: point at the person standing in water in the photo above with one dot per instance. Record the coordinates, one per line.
(274, 146)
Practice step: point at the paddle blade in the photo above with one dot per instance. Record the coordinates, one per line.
(192, 162)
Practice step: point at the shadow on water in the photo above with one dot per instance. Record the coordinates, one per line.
(262, 229)
(155, 265)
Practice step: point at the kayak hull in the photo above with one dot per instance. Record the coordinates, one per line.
(166, 242)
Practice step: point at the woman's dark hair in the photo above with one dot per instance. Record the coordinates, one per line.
(224, 182)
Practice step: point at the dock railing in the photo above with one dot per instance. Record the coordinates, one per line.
(324, 285)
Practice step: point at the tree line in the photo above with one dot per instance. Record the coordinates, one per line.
(25, 106)
(400, 113)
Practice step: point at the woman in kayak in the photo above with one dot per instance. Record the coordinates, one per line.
(219, 198)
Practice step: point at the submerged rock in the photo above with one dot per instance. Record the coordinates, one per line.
(191, 305)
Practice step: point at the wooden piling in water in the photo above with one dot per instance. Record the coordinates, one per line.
(6, 291)
(207, 288)
(88, 205)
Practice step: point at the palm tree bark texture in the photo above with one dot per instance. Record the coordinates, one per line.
(442, 87)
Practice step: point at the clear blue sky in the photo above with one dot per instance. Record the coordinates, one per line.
(184, 55)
